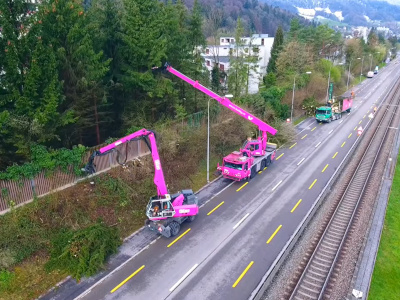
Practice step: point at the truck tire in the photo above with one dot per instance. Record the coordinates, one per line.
(175, 227)
(263, 164)
(253, 172)
(268, 162)
(190, 219)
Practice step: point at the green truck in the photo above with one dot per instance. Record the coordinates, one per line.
(334, 110)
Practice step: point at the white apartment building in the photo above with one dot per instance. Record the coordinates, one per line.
(258, 45)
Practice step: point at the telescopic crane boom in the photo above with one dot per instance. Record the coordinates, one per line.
(262, 126)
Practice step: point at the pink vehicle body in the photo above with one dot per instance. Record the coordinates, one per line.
(347, 104)
(254, 155)
(165, 212)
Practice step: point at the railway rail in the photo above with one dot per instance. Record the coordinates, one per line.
(317, 273)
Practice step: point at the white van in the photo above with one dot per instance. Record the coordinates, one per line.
(370, 74)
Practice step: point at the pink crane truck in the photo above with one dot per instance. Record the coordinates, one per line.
(255, 155)
(165, 212)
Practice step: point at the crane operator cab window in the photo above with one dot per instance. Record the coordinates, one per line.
(161, 208)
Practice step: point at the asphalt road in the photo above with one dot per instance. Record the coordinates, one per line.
(225, 252)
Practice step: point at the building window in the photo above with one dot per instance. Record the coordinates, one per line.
(222, 40)
(208, 63)
(207, 51)
(227, 40)
(262, 42)
(232, 40)
(221, 67)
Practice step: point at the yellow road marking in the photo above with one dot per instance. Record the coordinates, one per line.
(343, 144)
(335, 155)
(320, 123)
(292, 145)
(265, 168)
(280, 156)
(215, 208)
(314, 128)
(178, 238)
(312, 184)
(123, 282)
(242, 186)
(304, 136)
(297, 204)
(243, 273)
(360, 122)
(364, 116)
(349, 135)
(355, 128)
(259, 172)
(325, 168)
(272, 236)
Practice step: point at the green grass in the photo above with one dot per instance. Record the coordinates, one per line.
(299, 120)
(385, 284)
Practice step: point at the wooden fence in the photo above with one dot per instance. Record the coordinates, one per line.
(17, 193)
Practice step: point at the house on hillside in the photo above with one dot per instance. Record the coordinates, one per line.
(258, 46)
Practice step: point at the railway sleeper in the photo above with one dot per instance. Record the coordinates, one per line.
(317, 273)
(321, 253)
(321, 266)
(312, 285)
(328, 249)
(332, 244)
(308, 291)
(331, 237)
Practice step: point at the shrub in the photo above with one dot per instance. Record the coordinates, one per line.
(83, 253)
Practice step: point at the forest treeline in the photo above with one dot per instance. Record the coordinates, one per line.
(74, 72)
(70, 75)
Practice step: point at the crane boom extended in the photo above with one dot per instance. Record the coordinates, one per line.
(264, 127)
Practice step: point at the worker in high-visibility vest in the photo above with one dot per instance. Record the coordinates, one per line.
(352, 94)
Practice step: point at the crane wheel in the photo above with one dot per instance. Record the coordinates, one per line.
(175, 227)
(190, 219)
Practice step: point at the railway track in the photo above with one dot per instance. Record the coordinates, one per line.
(317, 273)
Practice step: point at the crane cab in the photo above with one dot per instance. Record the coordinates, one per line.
(160, 208)
(252, 148)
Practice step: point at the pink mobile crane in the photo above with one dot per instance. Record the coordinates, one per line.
(165, 212)
(254, 155)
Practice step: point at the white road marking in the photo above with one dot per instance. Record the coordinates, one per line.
(301, 161)
(330, 131)
(183, 278)
(276, 185)
(340, 121)
(317, 144)
(241, 221)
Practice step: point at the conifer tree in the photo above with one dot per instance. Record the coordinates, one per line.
(80, 66)
(276, 48)
(30, 94)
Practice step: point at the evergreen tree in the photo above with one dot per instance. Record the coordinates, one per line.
(30, 95)
(104, 19)
(81, 68)
(215, 79)
(238, 69)
(276, 48)
(144, 46)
